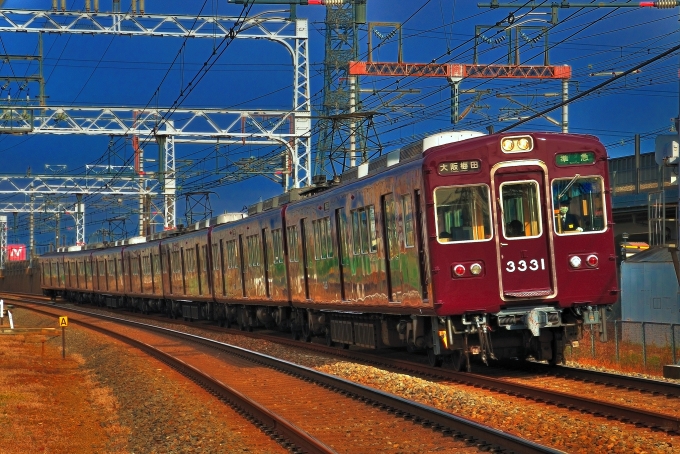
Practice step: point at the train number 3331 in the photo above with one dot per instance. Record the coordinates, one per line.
(523, 265)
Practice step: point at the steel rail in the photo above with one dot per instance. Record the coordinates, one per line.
(271, 420)
(439, 420)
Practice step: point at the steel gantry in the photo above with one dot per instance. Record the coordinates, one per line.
(80, 185)
(292, 130)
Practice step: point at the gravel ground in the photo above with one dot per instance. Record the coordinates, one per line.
(151, 408)
(153, 404)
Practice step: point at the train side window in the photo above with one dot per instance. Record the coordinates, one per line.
(254, 254)
(365, 236)
(156, 263)
(323, 243)
(578, 205)
(409, 230)
(293, 240)
(232, 256)
(278, 246)
(327, 232)
(216, 258)
(462, 213)
(318, 252)
(521, 209)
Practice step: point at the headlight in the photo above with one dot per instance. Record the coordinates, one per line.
(523, 143)
(575, 262)
(475, 268)
(517, 144)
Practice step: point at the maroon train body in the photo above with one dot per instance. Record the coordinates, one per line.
(461, 244)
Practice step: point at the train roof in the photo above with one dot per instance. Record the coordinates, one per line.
(401, 155)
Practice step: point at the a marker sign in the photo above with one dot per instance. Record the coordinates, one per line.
(63, 321)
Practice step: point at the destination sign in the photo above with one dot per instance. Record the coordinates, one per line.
(449, 168)
(574, 159)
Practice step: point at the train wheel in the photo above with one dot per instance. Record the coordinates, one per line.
(432, 359)
(295, 333)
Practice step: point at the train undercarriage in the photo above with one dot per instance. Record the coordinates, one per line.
(540, 333)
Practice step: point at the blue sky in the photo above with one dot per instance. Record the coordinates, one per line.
(117, 71)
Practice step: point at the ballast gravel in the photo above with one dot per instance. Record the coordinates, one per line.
(162, 417)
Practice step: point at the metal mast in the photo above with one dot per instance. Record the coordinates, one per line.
(342, 46)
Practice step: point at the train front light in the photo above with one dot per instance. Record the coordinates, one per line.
(575, 262)
(476, 269)
(459, 270)
(517, 144)
(592, 260)
(507, 145)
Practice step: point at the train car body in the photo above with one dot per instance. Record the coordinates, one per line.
(52, 275)
(186, 273)
(461, 244)
(249, 271)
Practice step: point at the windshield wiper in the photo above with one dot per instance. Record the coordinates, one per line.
(571, 183)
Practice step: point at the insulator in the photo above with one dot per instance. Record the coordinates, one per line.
(378, 34)
(661, 4)
(335, 2)
(485, 39)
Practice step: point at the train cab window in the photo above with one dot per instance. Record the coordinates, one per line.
(462, 213)
(521, 209)
(578, 205)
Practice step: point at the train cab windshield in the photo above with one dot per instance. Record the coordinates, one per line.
(578, 205)
(462, 213)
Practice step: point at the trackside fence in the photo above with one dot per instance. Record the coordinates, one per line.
(642, 347)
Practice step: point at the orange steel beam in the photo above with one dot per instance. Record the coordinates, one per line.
(359, 68)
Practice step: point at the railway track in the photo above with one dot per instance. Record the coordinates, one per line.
(310, 411)
(597, 383)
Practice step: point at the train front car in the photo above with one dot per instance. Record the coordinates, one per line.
(521, 244)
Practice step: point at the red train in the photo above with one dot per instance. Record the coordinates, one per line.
(463, 243)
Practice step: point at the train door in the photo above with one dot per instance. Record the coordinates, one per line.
(242, 262)
(265, 263)
(524, 236)
(343, 259)
(392, 249)
(305, 254)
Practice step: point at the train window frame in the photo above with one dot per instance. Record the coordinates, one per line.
(489, 217)
(538, 205)
(364, 233)
(570, 195)
(216, 258)
(409, 226)
(293, 241)
(232, 255)
(254, 250)
(323, 240)
(277, 240)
